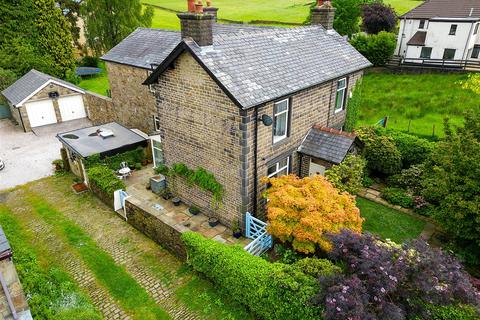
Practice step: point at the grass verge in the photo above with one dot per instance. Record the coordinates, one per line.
(131, 296)
(52, 293)
(389, 223)
(98, 84)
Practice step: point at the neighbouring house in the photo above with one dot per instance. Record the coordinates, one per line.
(38, 99)
(440, 29)
(237, 100)
(105, 140)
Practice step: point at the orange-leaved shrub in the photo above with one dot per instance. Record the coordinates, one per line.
(303, 211)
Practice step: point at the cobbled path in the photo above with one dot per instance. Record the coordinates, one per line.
(127, 246)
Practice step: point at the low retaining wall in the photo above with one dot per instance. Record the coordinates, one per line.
(158, 228)
(99, 193)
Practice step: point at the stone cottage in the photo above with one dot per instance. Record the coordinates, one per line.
(240, 100)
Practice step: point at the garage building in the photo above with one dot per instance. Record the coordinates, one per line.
(38, 99)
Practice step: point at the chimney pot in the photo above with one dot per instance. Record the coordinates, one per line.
(191, 5)
(196, 25)
(209, 3)
(211, 10)
(199, 7)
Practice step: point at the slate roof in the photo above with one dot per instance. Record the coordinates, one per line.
(28, 84)
(418, 39)
(88, 142)
(327, 144)
(459, 9)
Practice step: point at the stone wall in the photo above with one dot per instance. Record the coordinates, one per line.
(308, 107)
(201, 127)
(155, 228)
(7, 269)
(104, 197)
(99, 108)
(133, 103)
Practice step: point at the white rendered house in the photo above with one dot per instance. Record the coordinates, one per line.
(440, 29)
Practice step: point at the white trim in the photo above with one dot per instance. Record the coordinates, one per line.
(156, 138)
(278, 169)
(344, 89)
(280, 138)
(20, 104)
(155, 119)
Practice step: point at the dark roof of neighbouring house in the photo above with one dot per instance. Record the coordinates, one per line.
(253, 65)
(29, 83)
(460, 9)
(418, 39)
(5, 249)
(327, 144)
(88, 142)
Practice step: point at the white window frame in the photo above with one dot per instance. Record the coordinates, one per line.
(420, 24)
(344, 89)
(158, 139)
(421, 50)
(475, 31)
(156, 123)
(453, 31)
(275, 115)
(278, 168)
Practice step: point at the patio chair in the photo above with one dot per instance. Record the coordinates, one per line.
(124, 170)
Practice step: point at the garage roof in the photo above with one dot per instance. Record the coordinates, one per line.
(31, 83)
(106, 139)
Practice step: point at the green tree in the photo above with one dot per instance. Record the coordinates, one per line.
(353, 108)
(71, 11)
(347, 176)
(377, 48)
(107, 22)
(348, 15)
(452, 181)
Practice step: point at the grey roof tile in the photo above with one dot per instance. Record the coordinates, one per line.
(27, 85)
(327, 144)
(463, 9)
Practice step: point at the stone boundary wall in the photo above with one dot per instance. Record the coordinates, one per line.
(156, 228)
(99, 193)
(99, 108)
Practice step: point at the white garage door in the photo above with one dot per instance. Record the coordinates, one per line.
(71, 107)
(41, 113)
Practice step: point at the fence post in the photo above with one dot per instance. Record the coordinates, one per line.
(433, 131)
(247, 225)
(409, 123)
(385, 120)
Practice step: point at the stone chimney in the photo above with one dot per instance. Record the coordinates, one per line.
(211, 10)
(323, 14)
(196, 24)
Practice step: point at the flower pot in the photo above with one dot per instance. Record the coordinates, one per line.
(237, 234)
(194, 210)
(213, 222)
(176, 202)
(167, 195)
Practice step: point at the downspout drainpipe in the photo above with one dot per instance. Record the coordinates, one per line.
(255, 166)
(9, 298)
(402, 35)
(465, 52)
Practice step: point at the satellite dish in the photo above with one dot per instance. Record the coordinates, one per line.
(267, 120)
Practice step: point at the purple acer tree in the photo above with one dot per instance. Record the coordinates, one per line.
(378, 17)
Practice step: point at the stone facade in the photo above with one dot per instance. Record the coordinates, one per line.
(202, 127)
(99, 108)
(7, 269)
(199, 27)
(324, 16)
(133, 103)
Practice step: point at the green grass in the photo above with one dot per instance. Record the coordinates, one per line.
(402, 6)
(388, 223)
(98, 84)
(200, 296)
(119, 283)
(163, 19)
(419, 100)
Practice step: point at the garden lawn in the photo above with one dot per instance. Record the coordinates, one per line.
(403, 6)
(421, 100)
(98, 84)
(388, 223)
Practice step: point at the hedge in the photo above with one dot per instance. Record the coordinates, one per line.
(131, 157)
(105, 179)
(270, 290)
(414, 150)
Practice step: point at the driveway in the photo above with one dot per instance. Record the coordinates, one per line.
(28, 156)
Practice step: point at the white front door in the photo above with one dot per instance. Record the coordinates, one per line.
(41, 113)
(72, 107)
(157, 151)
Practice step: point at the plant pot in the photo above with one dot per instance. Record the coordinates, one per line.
(213, 222)
(149, 161)
(176, 202)
(237, 234)
(144, 163)
(194, 210)
(167, 196)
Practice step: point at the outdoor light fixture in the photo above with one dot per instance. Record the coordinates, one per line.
(266, 120)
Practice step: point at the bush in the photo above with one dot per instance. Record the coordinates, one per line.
(409, 179)
(105, 179)
(451, 312)
(377, 48)
(381, 153)
(270, 290)
(398, 197)
(378, 17)
(285, 255)
(414, 150)
(353, 108)
(386, 281)
(303, 211)
(347, 176)
(317, 267)
(89, 61)
(131, 157)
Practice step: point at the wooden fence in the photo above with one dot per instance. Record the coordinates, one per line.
(439, 64)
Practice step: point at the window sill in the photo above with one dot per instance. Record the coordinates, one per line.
(280, 142)
(338, 111)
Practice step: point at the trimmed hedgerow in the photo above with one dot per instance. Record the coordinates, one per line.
(398, 197)
(270, 290)
(317, 267)
(105, 179)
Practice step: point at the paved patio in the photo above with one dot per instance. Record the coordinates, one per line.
(177, 216)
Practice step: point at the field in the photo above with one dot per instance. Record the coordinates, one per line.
(417, 103)
(98, 84)
(287, 11)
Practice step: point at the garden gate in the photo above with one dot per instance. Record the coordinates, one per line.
(256, 230)
(119, 197)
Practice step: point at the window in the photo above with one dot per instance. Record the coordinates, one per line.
(426, 53)
(340, 98)
(449, 54)
(157, 151)
(280, 120)
(453, 30)
(150, 87)
(475, 52)
(280, 168)
(156, 123)
(476, 29)
(422, 24)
